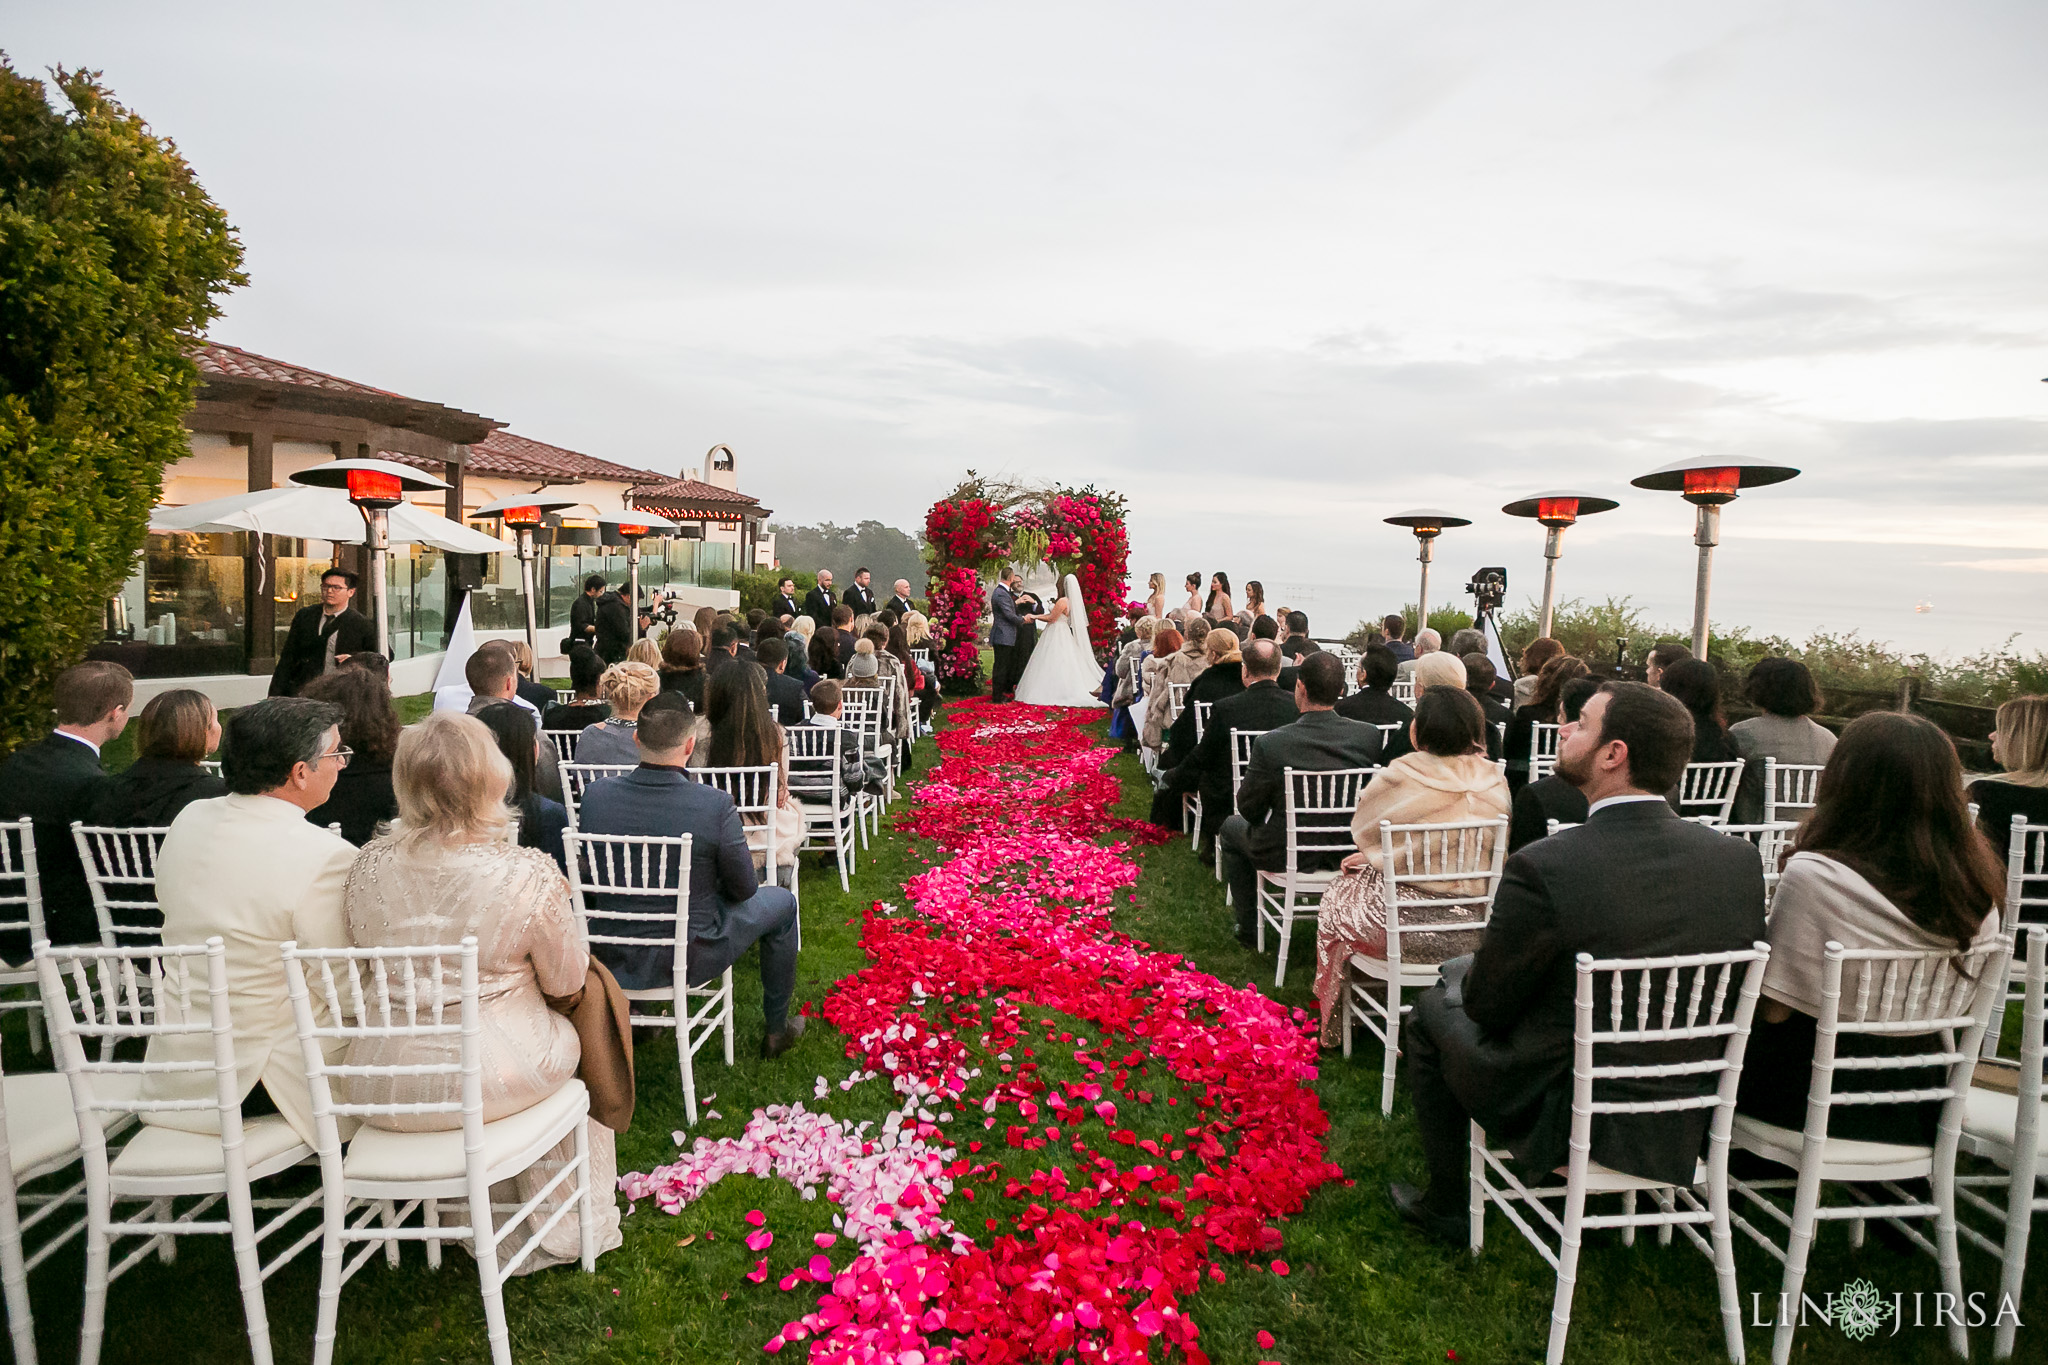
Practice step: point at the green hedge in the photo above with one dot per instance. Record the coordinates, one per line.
(111, 262)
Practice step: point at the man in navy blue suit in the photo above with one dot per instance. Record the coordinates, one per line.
(729, 909)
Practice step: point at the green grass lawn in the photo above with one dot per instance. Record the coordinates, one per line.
(1364, 1287)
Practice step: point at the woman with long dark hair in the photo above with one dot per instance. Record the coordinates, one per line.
(1543, 707)
(541, 821)
(1219, 607)
(823, 655)
(1887, 858)
(1535, 654)
(362, 797)
(744, 735)
(1696, 683)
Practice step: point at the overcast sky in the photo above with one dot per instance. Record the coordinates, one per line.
(1273, 270)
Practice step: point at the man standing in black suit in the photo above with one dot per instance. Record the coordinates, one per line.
(54, 781)
(901, 603)
(860, 596)
(583, 613)
(819, 603)
(1255, 839)
(1493, 1042)
(322, 636)
(785, 694)
(1260, 707)
(614, 626)
(783, 605)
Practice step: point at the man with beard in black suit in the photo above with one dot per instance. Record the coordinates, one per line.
(860, 596)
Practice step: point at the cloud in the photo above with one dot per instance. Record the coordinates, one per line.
(2001, 565)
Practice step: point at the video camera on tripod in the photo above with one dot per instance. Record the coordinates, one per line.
(1489, 588)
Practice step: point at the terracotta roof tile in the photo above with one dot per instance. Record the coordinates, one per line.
(690, 490)
(232, 362)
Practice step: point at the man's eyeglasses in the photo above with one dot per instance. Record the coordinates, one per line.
(341, 756)
(334, 587)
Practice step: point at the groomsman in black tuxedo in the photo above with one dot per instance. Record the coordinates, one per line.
(783, 604)
(901, 603)
(818, 605)
(860, 596)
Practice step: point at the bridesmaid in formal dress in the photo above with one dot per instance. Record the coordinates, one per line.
(1155, 597)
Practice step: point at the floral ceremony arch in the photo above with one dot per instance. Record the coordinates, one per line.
(984, 524)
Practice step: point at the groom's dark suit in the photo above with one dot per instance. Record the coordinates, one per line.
(1003, 629)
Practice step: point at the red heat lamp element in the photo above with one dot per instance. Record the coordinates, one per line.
(374, 487)
(521, 516)
(1712, 485)
(1557, 511)
(630, 530)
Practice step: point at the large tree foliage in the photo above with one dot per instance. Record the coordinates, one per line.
(112, 259)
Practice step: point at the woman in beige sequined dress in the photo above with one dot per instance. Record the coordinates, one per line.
(447, 875)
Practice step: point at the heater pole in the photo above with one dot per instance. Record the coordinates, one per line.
(1707, 536)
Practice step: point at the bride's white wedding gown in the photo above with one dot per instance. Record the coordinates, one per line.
(1063, 671)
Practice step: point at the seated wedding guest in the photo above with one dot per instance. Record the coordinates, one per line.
(1552, 797)
(493, 675)
(1784, 691)
(1696, 683)
(1466, 640)
(1223, 677)
(447, 875)
(1469, 641)
(1432, 670)
(1660, 658)
(1493, 1042)
(744, 735)
(1260, 707)
(362, 797)
(585, 669)
(1887, 858)
(859, 769)
(1255, 838)
(174, 732)
(1540, 651)
(250, 868)
(1542, 707)
(1166, 647)
(1481, 681)
(376, 665)
(797, 644)
(1446, 777)
(895, 685)
(1183, 664)
(1395, 627)
(644, 651)
(824, 655)
(785, 694)
(924, 687)
(56, 780)
(702, 622)
(682, 664)
(1130, 680)
(1294, 641)
(625, 688)
(1374, 702)
(534, 693)
(729, 907)
(843, 632)
(756, 619)
(1427, 642)
(541, 821)
(2020, 746)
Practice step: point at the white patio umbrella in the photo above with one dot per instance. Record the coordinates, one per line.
(321, 514)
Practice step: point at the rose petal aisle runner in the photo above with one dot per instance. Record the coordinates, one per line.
(1089, 1131)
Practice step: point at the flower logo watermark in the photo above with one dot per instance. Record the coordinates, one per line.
(1860, 1310)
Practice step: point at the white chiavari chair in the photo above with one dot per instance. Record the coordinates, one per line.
(564, 742)
(1789, 787)
(21, 925)
(1176, 700)
(1402, 690)
(1542, 750)
(757, 793)
(2026, 901)
(2007, 1129)
(1771, 841)
(1191, 802)
(1436, 859)
(211, 765)
(830, 815)
(1240, 759)
(120, 871)
(1317, 808)
(609, 874)
(861, 710)
(565, 696)
(176, 1000)
(377, 995)
(577, 777)
(1707, 1000)
(1941, 995)
(1707, 791)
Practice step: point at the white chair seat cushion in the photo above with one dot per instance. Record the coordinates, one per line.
(161, 1153)
(1991, 1116)
(1783, 1144)
(41, 1125)
(1412, 973)
(378, 1154)
(1606, 1180)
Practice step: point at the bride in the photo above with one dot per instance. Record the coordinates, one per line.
(1062, 671)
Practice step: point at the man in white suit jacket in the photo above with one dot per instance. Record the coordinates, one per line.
(249, 868)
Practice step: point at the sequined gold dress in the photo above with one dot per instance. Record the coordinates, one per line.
(407, 892)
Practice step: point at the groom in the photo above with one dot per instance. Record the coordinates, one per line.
(1003, 630)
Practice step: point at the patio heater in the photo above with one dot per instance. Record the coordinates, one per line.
(1708, 484)
(1427, 523)
(1556, 511)
(522, 512)
(375, 487)
(627, 528)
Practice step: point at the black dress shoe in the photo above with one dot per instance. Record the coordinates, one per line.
(775, 1044)
(1452, 1229)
